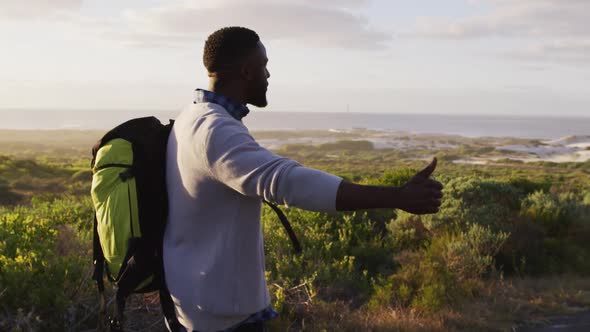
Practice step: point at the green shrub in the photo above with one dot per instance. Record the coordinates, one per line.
(395, 177)
(470, 254)
(408, 232)
(43, 260)
(470, 200)
(555, 213)
(550, 235)
(528, 186)
(545, 208)
(349, 145)
(342, 253)
(423, 282)
(83, 175)
(7, 196)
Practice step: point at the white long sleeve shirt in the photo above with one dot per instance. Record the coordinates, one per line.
(217, 176)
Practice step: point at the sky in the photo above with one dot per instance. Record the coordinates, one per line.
(504, 57)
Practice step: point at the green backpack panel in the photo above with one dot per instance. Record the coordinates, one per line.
(115, 202)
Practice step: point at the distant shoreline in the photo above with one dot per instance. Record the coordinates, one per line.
(494, 150)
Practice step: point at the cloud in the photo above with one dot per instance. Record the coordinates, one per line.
(563, 51)
(551, 30)
(519, 18)
(338, 3)
(29, 9)
(331, 23)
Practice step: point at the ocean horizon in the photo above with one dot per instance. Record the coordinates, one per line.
(533, 127)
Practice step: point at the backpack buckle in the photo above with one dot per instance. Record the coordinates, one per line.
(126, 175)
(115, 325)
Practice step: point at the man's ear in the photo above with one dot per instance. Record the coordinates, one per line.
(246, 70)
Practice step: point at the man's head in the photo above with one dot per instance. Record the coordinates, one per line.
(236, 55)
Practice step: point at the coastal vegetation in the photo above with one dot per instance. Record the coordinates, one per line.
(508, 248)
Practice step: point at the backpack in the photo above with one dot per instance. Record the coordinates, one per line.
(130, 203)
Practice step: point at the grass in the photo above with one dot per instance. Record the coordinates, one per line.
(501, 306)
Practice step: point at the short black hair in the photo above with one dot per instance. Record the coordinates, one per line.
(227, 46)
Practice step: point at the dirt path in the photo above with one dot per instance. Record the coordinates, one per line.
(576, 323)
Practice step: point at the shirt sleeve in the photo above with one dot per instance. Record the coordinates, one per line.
(238, 161)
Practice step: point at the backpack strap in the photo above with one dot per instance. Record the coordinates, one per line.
(287, 225)
(97, 275)
(168, 307)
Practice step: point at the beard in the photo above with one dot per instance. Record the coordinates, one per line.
(258, 95)
(259, 100)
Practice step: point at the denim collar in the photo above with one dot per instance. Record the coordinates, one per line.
(235, 109)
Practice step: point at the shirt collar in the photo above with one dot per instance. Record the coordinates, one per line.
(235, 109)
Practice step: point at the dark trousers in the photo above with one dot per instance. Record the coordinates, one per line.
(252, 327)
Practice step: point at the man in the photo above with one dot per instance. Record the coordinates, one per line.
(217, 176)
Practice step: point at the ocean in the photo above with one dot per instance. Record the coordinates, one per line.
(464, 125)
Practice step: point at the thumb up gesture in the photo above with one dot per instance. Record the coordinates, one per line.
(421, 195)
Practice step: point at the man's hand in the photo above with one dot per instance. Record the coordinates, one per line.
(421, 195)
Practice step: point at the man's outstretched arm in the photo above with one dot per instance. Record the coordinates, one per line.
(421, 195)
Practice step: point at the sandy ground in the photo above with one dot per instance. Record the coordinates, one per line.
(566, 149)
(575, 323)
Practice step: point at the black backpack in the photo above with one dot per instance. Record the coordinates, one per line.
(131, 208)
(130, 203)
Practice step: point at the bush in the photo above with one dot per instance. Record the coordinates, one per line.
(342, 253)
(347, 145)
(549, 236)
(7, 196)
(84, 175)
(470, 200)
(408, 233)
(469, 255)
(395, 177)
(423, 282)
(546, 209)
(440, 272)
(527, 186)
(43, 261)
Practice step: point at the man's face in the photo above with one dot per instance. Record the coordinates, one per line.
(257, 76)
